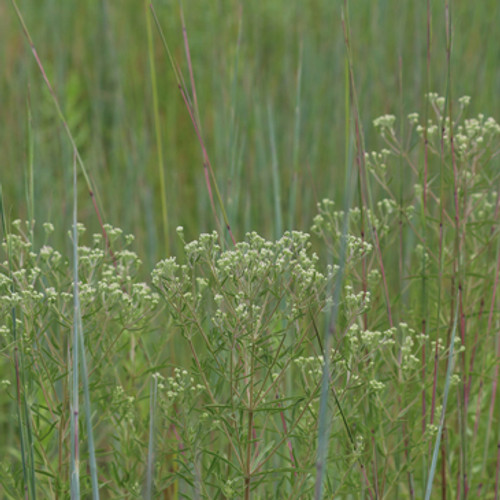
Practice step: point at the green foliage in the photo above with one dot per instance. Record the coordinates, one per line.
(244, 413)
(246, 61)
(37, 317)
(237, 374)
(205, 376)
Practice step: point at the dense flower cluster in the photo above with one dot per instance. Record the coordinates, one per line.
(39, 284)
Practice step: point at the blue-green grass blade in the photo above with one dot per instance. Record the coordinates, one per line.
(449, 372)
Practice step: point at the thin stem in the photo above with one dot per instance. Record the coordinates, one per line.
(159, 142)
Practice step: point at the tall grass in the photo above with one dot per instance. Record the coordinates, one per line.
(360, 362)
(98, 62)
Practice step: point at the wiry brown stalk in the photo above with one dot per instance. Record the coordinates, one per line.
(55, 100)
(192, 109)
(424, 214)
(473, 355)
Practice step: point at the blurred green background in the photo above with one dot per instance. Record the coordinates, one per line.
(270, 80)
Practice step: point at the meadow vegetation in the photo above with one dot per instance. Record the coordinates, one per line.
(300, 300)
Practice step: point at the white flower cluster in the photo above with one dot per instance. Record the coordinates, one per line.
(244, 283)
(177, 386)
(329, 223)
(310, 365)
(376, 160)
(370, 339)
(356, 303)
(472, 137)
(123, 406)
(476, 135)
(357, 247)
(410, 346)
(385, 124)
(41, 282)
(376, 385)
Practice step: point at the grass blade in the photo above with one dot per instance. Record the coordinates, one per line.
(151, 443)
(75, 406)
(278, 217)
(449, 372)
(157, 126)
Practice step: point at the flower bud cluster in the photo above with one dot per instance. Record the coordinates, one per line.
(40, 283)
(242, 284)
